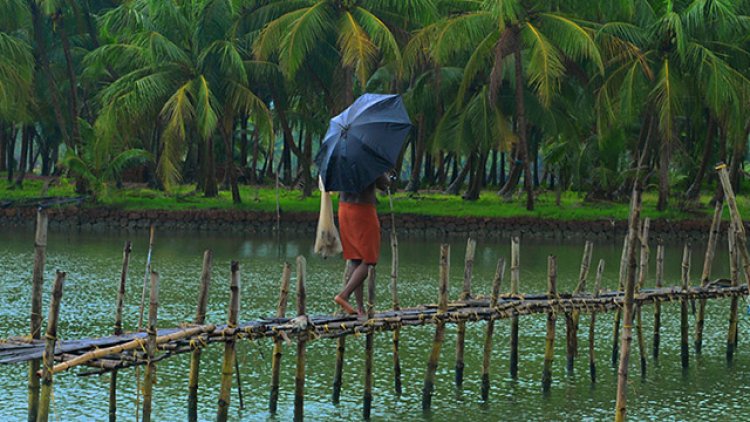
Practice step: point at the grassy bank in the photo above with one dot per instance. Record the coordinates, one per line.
(572, 206)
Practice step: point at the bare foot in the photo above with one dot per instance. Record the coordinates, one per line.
(344, 305)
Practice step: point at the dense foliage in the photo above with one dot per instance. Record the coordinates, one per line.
(562, 95)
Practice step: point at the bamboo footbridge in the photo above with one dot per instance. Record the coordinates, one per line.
(150, 344)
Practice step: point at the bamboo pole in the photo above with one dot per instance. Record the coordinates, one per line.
(49, 349)
(140, 314)
(369, 344)
(299, 378)
(230, 344)
(118, 327)
(706, 274)
(200, 318)
(496, 282)
(618, 313)
(627, 331)
(432, 363)
(642, 274)
(684, 350)
(657, 304)
(592, 350)
(471, 245)
(572, 319)
(396, 306)
(338, 371)
(515, 275)
(149, 378)
(286, 276)
(734, 213)
(37, 283)
(549, 343)
(734, 305)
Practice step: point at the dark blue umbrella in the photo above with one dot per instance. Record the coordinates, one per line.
(363, 142)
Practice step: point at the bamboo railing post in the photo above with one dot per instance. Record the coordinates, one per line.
(338, 371)
(200, 318)
(515, 275)
(394, 299)
(496, 282)
(549, 343)
(369, 344)
(592, 350)
(734, 213)
(734, 305)
(229, 346)
(643, 272)
(37, 283)
(286, 276)
(618, 314)
(684, 349)
(706, 274)
(49, 349)
(471, 245)
(627, 329)
(572, 318)
(657, 304)
(149, 377)
(146, 274)
(432, 363)
(299, 377)
(118, 327)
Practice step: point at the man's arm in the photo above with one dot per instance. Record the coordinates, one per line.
(383, 182)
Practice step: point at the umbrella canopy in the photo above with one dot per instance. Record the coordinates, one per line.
(363, 142)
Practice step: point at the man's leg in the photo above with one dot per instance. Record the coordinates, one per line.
(355, 282)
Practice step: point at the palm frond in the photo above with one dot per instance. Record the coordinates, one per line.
(545, 65)
(357, 51)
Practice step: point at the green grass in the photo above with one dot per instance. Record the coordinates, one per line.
(572, 206)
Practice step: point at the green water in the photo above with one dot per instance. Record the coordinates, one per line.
(709, 390)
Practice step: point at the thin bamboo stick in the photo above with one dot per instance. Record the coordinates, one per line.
(515, 275)
(299, 377)
(140, 314)
(549, 343)
(229, 346)
(734, 305)
(369, 344)
(618, 314)
(49, 349)
(471, 245)
(643, 273)
(496, 282)
(657, 305)
(118, 327)
(37, 283)
(592, 331)
(200, 318)
(149, 378)
(286, 276)
(572, 319)
(394, 299)
(684, 349)
(338, 371)
(432, 363)
(706, 274)
(736, 219)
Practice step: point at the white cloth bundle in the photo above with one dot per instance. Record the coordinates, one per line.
(327, 241)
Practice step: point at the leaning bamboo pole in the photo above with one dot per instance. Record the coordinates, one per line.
(706, 274)
(618, 313)
(515, 275)
(338, 370)
(684, 349)
(734, 213)
(200, 318)
(149, 378)
(642, 274)
(229, 346)
(396, 306)
(496, 282)
(471, 245)
(369, 344)
(286, 276)
(734, 305)
(572, 319)
(118, 327)
(299, 377)
(657, 305)
(49, 349)
(140, 314)
(37, 283)
(549, 343)
(592, 331)
(432, 363)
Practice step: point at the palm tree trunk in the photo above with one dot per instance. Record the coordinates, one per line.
(511, 180)
(25, 138)
(231, 170)
(694, 190)
(72, 79)
(523, 145)
(11, 143)
(475, 185)
(493, 169)
(210, 187)
(3, 148)
(244, 140)
(455, 186)
(664, 161)
(308, 184)
(418, 153)
(738, 158)
(502, 169)
(256, 150)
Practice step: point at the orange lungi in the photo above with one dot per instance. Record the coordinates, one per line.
(360, 231)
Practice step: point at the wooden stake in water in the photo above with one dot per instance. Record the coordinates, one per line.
(657, 304)
(734, 265)
(432, 363)
(299, 377)
(571, 319)
(37, 283)
(118, 327)
(396, 306)
(734, 213)
(200, 318)
(618, 314)
(286, 276)
(150, 376)
(549, 343)
(338, 371)
(499, 274)
(471, 245)
(515, 276)
(684, 349)
(706, 274)
(140, 314)
(49, 349)
(592, 331)
(369, 344)
(643, 272)
(229, 346)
